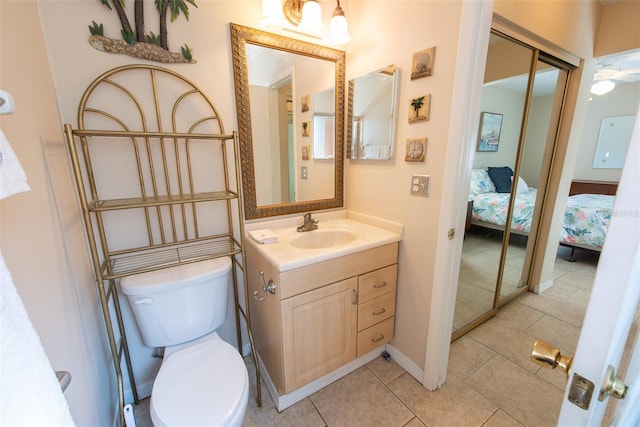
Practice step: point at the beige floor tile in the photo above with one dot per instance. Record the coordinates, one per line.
(527, 398)
(505, 335)
(467, 355)
(553, 376)
(385, 370)
(519, 316)
(501, 419)
(556, 332)
(360, 399)
(415, 422)
(556, 307)
(561, 290)
(455, 404)
(302, 413)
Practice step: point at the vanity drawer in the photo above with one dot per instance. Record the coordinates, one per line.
(376, 310)
(376, 283)
(375, 336)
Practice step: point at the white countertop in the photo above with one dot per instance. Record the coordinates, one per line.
(370, 232)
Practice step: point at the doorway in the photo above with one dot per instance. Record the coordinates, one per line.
(522, 101)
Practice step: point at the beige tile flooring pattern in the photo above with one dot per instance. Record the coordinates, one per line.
(491, 381)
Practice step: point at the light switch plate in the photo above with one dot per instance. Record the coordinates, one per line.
(420, 185)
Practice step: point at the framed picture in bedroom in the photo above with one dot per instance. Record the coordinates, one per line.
(489, 135)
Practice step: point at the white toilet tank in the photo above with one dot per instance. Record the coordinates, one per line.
(179, 304)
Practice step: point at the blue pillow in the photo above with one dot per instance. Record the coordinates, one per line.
(501, 178)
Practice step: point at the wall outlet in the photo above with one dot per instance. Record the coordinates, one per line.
(303, 172)
(420, 185)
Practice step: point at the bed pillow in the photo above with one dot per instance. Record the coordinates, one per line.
(501, 178)
(522, 187)
(481, 182)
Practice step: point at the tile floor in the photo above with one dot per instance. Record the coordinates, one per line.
(491, 381)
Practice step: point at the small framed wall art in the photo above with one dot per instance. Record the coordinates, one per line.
(415, 150)
(419, 109)
(490, 129)
(422, 64)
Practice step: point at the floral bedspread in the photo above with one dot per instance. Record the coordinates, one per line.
(585, 220)
(492, 208)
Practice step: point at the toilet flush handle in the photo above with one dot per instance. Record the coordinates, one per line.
(145, 301)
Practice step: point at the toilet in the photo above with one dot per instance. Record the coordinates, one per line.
(202, 380)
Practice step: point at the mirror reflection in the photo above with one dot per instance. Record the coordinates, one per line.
(613, 142)
(372, 114)
(508, 179)
(289, 98)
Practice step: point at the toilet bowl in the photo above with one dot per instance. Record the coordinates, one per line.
(205, 384)
(202, 380)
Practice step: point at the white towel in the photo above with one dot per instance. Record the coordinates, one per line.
(264, 236)
(30, 394)
(12, 177)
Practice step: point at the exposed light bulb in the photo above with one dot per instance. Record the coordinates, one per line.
(311, 21)
(602, 87)
(338, 28)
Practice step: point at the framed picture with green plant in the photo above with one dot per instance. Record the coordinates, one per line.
(419, 109)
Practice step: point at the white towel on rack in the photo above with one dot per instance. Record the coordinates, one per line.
(12, 177)
(30, 394)
(264, 236)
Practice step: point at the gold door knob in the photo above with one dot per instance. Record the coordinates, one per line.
(550, 357)
(612, 386)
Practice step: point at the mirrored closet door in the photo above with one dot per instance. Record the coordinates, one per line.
(521, 106)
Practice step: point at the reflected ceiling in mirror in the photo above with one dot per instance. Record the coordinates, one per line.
(276, 80)
(371, 116)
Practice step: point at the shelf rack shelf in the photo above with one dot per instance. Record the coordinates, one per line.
(158, 182)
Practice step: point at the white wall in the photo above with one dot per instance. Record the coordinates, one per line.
(623, 100)
(381, 188)
(378, 188)
(42, 234)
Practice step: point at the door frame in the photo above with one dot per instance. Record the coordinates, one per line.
(477, 19)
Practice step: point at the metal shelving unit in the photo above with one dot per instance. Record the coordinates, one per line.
(155, 196)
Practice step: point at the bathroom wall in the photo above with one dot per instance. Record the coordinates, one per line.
(623, 100)
(42, 235)
(378, 188)
(75, 64)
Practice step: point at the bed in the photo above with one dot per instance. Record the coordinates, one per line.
(585, 220)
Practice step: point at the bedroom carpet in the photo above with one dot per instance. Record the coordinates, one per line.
(491, 381)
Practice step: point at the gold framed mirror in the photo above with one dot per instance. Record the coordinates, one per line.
(275, 80)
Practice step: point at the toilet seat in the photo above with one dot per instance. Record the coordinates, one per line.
(205, 384)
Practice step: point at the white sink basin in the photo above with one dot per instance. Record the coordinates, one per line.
(335, 237)
(321, 239)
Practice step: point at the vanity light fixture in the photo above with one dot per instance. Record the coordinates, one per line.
(602, 86)
(305, 16)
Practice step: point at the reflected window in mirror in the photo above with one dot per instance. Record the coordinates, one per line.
(372, 114)
(324, 124)
(273, 74)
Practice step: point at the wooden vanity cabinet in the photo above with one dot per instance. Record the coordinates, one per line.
(323, 315)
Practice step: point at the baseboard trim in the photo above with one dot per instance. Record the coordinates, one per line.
(406, 363)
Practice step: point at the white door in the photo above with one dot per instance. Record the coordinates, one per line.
(613, 302)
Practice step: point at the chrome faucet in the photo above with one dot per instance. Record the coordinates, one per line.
(309, 223)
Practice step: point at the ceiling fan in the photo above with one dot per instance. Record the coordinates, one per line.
(623, 68)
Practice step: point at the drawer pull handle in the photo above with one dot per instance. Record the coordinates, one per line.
(380, 285)
(379, 312)
(378, 338)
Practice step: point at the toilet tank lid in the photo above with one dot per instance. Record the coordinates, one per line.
(174, 277)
